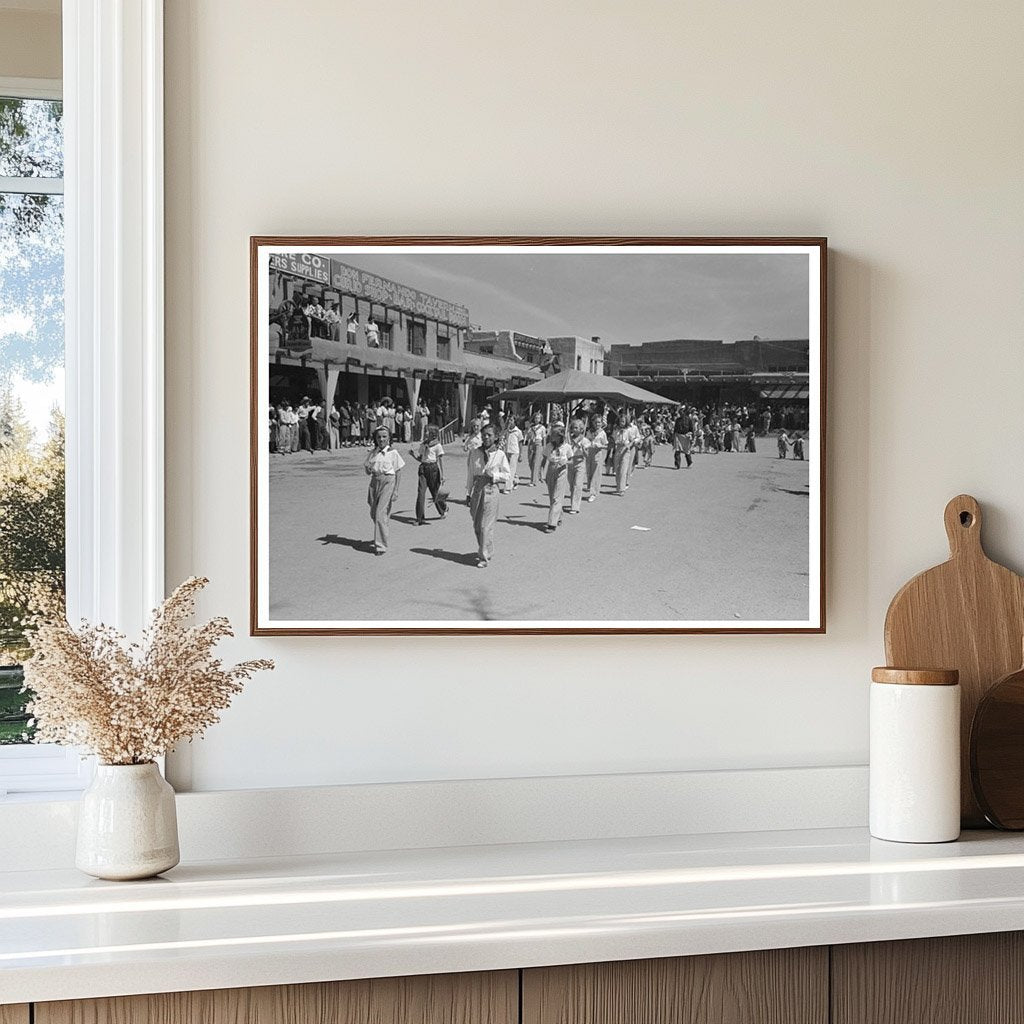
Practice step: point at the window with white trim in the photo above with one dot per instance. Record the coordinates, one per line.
(32, 523)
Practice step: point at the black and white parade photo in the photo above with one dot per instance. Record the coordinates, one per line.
(550, 435)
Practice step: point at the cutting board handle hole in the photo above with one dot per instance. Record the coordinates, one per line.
(966, 519)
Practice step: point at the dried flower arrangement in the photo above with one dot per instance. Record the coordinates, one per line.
(130, 703)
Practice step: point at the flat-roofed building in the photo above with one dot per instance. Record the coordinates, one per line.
(575, 353)
(758, 372)
(374, 338)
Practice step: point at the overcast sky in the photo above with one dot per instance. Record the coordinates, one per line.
(623, 298)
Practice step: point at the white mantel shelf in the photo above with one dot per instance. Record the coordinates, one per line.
(228, 924)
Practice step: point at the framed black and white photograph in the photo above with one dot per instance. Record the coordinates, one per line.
(537, 435)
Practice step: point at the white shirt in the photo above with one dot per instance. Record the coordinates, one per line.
(372, 333)
(431, 452)
(383, 463)
(626, 437)
(513, 436)
(558, 455)
(494, 467)
(578, 448)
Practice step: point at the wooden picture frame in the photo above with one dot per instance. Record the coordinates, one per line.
(316, 568)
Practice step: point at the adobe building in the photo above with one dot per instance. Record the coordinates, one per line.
(523, 348)
(574, 353)
(406, 344)
(754, 371)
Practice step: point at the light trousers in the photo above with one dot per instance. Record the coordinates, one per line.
(513, 465)
(577, 474)
(536, 457)
(556, 479)
(623, 467)
(483, 504)
(380, 498)
(595, 464)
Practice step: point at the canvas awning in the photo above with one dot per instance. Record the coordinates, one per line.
(320, 350)
(788, 393)
(577, 384)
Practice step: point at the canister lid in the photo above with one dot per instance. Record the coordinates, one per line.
(916, 676)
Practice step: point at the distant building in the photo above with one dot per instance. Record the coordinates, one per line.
(587, 354)
(750, 371)
(524, 348)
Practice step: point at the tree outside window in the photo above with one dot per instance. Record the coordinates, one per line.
(32, 573)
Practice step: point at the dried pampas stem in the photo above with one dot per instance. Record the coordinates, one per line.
(129, 703)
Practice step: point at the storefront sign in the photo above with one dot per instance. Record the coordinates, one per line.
(353, 281)
(303, 264)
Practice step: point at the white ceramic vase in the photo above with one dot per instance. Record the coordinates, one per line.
(127, 825)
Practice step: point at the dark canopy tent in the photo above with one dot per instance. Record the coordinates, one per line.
(576, 384)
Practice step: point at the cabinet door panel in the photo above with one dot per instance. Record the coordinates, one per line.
(483, 998)
(960, 979)
(779, 986)
(14, 1014)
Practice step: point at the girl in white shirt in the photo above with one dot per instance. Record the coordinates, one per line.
(555, 457)
(626, 439)
(595, 455)
(469, 446)
(383, 466)
(430, 455)
(536, 435)
(489, 470)
(511, 442)
(577, 468)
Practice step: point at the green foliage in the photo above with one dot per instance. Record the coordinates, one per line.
(32, 574)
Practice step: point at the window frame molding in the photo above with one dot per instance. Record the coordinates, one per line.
(112, 91)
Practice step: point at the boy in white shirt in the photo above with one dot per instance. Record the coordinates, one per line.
(489, 470)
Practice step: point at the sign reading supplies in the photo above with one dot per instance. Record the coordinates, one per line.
(353, 281)
(303, 264)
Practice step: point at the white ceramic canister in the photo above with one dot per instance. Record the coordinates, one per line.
(915, 755)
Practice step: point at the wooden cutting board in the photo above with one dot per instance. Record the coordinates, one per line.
(967, 614)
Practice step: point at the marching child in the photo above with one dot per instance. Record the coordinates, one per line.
(555, 457)
(598, 439)
(511, 443)
(429, 453)
(784, 444)
(383, 466)
(536, 435)
(647, 444)
(469, 446)
(577, 468)
(488, 469)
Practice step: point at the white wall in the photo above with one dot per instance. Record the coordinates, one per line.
(895, 129)
(30, 40)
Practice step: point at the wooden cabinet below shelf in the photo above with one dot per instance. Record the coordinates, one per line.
(959, 979)
(776, 986)
(481, 998)
(14, 1014)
